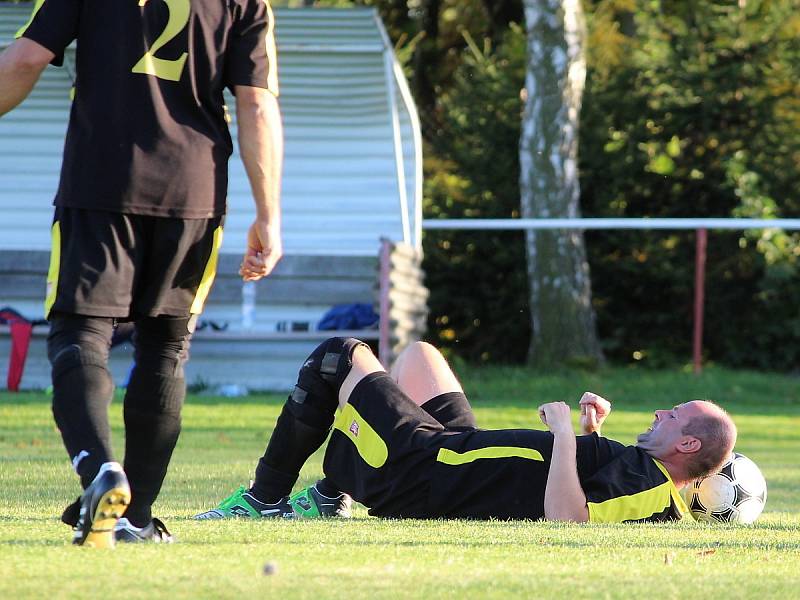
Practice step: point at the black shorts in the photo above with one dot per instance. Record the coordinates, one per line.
(108, 264)
(400, 461)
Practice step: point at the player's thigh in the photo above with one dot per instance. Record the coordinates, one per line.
(93, 263)
(180, 266)
(423, 373)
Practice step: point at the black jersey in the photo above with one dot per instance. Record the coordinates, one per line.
(633, 487)
(147, 131)
(398, 460)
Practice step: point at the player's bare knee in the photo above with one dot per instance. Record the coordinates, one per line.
(364, 363)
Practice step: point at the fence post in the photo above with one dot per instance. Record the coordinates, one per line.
(699, 298)
(384, 333)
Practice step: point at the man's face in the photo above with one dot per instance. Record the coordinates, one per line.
(664, 435)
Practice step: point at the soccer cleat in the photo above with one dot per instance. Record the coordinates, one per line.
(242, 503)
(101, 506)
(155, 531)
(310, 503)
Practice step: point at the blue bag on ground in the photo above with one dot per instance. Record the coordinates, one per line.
(349, 316)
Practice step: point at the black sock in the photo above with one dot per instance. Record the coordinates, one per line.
(291, 444)
(152, 425)
(82, 392)
(305, 420)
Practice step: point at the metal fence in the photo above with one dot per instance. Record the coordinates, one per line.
(700, 226)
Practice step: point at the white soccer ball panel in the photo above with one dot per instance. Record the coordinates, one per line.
(748, 476)
(749, 510)
(737, 493)
(716, 492)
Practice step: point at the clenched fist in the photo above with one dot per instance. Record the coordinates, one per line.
(556, 415)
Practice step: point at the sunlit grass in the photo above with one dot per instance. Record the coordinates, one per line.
(373, 558)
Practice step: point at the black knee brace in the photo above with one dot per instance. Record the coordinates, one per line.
(161, 345)
(315, 397)
(305, 419)
(74, 357)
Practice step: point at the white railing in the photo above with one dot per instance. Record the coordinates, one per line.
(700, 225)
(592, 223)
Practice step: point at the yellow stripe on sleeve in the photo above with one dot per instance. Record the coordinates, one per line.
(24, 28)
(677, 499)
(272, 54)
(451, 457)
(633, 507)
(641, 505)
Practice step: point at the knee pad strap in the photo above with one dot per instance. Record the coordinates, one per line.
(311, 408)
(333, 360)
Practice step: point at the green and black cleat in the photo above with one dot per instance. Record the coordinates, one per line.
(310, 503)
(242, 503)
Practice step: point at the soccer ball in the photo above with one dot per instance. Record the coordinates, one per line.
(736, 494)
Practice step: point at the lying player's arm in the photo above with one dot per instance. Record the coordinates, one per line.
(594, 410)
(261, 147)
(564, 499)
(21, 64)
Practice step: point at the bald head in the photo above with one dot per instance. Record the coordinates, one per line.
(715, 430)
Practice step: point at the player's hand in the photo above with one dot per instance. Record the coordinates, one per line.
(264, 250)
(594, 410)
(556, 415)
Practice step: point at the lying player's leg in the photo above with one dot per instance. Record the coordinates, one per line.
(382, 443)
(424, 375)
(302, 427)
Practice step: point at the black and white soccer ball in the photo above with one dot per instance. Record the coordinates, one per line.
(735, 494)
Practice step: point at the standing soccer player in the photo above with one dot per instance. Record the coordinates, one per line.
(138, 218)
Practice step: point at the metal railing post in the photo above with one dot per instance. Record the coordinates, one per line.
(699, 298)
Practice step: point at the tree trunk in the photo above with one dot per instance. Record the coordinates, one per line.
(562, 318)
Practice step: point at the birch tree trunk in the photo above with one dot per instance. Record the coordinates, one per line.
(562, 317)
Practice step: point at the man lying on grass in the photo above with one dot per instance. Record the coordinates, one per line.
(405, 444)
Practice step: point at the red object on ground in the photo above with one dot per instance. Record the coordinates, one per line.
(21, 330)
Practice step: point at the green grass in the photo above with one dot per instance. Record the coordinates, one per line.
(373, 558)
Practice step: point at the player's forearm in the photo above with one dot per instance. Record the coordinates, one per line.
(564, 499)
(261, 148)
(18, 75)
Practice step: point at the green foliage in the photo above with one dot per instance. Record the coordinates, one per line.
(478, 279)
(690, 109)
(698, 118)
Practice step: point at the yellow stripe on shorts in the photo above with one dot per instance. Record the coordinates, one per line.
(451, 457)
(369, 444)
(208, 274)
(53, 269)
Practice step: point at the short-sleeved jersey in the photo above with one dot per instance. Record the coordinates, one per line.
(503, 474)
(633, 487)
(398, 460)
(147, 131)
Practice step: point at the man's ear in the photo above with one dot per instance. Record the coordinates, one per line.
(689, 445)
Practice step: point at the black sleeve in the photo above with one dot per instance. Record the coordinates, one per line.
(54, 25)
(593, 452)
(251, 54)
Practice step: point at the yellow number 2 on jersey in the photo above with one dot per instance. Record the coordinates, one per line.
(163, 68)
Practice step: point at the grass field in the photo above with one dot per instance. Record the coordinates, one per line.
(373, 558)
